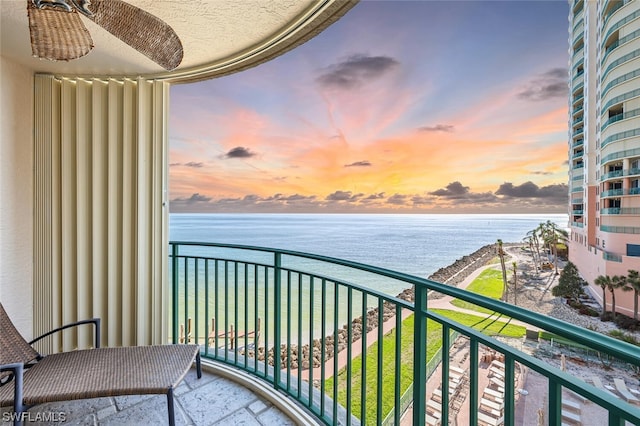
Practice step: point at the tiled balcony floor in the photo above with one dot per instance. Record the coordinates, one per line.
(211, 400)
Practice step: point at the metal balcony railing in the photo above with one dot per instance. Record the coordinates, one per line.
(281, 316)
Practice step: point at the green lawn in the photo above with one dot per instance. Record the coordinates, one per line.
(487, 325)
(434, 343)
(434, 333)
(488, 283)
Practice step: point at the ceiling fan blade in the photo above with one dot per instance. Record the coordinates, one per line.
(141, 30)
(57, 34)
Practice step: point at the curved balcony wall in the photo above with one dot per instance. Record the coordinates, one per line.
(615, 24)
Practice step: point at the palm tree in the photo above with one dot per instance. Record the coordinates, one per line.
(501, 254)
(633, 279)
(617, 282)
(529, 239)
(515, 283)
(554, 235)
(603, 282)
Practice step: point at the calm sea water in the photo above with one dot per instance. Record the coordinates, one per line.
(414, 244)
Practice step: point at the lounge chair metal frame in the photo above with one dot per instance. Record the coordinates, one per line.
(158, 370)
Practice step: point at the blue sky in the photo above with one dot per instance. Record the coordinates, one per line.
(403, 106)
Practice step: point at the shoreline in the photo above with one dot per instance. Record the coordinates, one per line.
(310, 358)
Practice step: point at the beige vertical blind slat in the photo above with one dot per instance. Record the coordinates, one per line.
(159, 211)
(69, 213)
(99, 200)
(129, 142)
(143, 206)
(54, 239)
(100, 236)
(114, 215)
(83, 209)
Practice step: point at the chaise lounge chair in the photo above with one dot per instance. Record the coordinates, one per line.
(28, 378)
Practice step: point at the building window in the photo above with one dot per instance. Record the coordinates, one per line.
(633, 250)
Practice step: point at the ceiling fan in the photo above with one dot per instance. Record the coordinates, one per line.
(57, 31)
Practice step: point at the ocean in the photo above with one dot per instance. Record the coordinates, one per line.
(414, 244)
(417, 244)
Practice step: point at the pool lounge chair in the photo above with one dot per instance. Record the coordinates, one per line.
(598, 383)
(28, 378)
(621, 387)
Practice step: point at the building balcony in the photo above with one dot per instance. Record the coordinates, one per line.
(577, 98)
(620, 211)
(620, 229)
(315, 328)
(617, 192)
(612, 174)
(577, 224)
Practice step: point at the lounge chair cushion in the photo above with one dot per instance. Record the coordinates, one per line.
(93, 373)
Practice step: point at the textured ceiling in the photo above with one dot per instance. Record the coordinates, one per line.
(218, 36)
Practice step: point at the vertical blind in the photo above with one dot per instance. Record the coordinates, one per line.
(100, 225)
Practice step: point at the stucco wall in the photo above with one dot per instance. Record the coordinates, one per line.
(16, 193)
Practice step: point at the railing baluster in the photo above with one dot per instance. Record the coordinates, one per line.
(349, 355)
(226, 310)
(323, 344)
(288, 331)
(235, 314)
(446, 344)
(336, 336)
(216, 311)
(196, 319)
(312, 305)
(175, 293)
(277, 318)
(615, 419)
(397, 388)
(379, 414)
(206, 306)
(555, 401)
(420, 356)
(246, 315)
(267, 322)
(509, 390)
(300, 357)
(256, 317)
(186, 300)
(363, 380)
(474, 362)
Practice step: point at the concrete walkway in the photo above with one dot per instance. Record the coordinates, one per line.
(211, 400)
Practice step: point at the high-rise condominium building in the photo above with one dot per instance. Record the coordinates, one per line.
(604, 141)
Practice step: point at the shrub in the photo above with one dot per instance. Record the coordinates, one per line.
(621, 335)
(607, 316)
(587, 310)
(575, 304)
(626, 322)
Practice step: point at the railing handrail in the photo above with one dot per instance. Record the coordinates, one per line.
(618, 348)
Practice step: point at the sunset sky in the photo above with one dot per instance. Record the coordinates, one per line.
(407, 107)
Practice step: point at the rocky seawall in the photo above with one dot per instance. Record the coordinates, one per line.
(310, 355)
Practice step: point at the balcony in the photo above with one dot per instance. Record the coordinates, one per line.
(616, 192)
(291, 311)
(612, 174)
